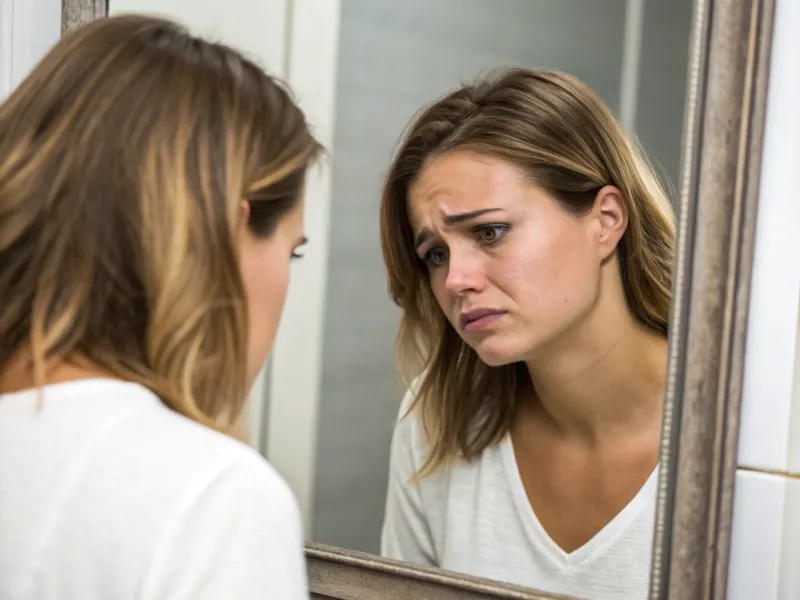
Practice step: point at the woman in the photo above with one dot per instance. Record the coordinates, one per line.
(150, 202)
(530, 248)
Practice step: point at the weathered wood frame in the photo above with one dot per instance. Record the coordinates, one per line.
(718, 194)
(75, 13)
(722, 147)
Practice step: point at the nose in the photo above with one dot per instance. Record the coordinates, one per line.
(464, 273)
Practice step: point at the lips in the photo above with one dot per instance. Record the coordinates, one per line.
(479, 318)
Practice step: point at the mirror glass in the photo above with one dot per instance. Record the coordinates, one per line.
(563, 501)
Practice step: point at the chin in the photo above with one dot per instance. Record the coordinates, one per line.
(497, 354)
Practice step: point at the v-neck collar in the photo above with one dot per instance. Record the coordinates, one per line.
(542, 541)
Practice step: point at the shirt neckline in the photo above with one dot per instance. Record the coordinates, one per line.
(539, 537)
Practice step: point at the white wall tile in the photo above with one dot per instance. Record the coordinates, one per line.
(251, 26)
(794, 416)
(28, 29)
(757, 534)
(37, 27)
(789, 587)
(6, 39)
(767, 412)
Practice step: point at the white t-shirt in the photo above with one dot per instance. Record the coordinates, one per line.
(476, 518)
(106, 493)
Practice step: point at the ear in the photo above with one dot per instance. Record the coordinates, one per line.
(244, 212)
(611, 212)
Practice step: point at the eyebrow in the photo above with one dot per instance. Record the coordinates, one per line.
(451, 220)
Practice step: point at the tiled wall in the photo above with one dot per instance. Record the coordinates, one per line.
(663, 61)
(765, 559)
(28, 29)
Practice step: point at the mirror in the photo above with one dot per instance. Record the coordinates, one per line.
(394, 58)
(683, 80)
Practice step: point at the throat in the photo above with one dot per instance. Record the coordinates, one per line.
(575, 490)
(600, 395)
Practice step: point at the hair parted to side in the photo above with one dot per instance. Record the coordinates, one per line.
(124, 158)
(557, 131)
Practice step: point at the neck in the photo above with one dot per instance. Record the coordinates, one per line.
(18, 375)
(605, 378)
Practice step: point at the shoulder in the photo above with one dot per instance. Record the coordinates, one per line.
(187, 505)
(224, 512)
(176, 459)
(240, 495)
(234, 531)
(193, 451)
(409, 431)
(411, 444)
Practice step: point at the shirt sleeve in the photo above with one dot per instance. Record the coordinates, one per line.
(237, 535)
(406, 533)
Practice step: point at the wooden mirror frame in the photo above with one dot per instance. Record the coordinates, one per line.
(75, 13)
(718, 194)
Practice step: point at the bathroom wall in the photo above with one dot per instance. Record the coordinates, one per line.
(663, 62)
(394, 57)
(28, 28)
(765, 553)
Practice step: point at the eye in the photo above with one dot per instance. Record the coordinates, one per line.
(302, 241)
(491, 233)
(435, 257)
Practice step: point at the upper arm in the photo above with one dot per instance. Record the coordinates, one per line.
(406, 532)
(238, 535)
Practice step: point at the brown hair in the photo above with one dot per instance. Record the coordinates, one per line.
(124, 158)
(560, 133)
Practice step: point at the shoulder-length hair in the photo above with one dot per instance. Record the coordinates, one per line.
(556, 130)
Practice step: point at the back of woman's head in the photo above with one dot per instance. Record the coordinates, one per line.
(563, 139)
(125, 158)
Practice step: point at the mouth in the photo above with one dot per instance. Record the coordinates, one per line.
(479, 319)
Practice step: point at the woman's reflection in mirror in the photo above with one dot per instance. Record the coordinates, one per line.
(529, 245)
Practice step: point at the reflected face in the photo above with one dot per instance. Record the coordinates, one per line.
(264, 264)
(510, 268)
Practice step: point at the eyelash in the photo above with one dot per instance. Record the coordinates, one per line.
(295, 255)
(500, 228)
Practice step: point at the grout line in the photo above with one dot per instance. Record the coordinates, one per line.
(775, 472)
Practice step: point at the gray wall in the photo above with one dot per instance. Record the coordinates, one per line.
(395, 57)
(663, 65)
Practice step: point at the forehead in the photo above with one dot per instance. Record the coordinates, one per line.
(462, 181)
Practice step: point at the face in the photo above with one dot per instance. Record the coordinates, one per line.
(511, 269)
(265, 271)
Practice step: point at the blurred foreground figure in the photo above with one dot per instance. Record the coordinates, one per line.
(151, 198)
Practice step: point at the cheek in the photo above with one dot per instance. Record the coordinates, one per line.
(550, 271)
(265, 271)
(446, 300)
